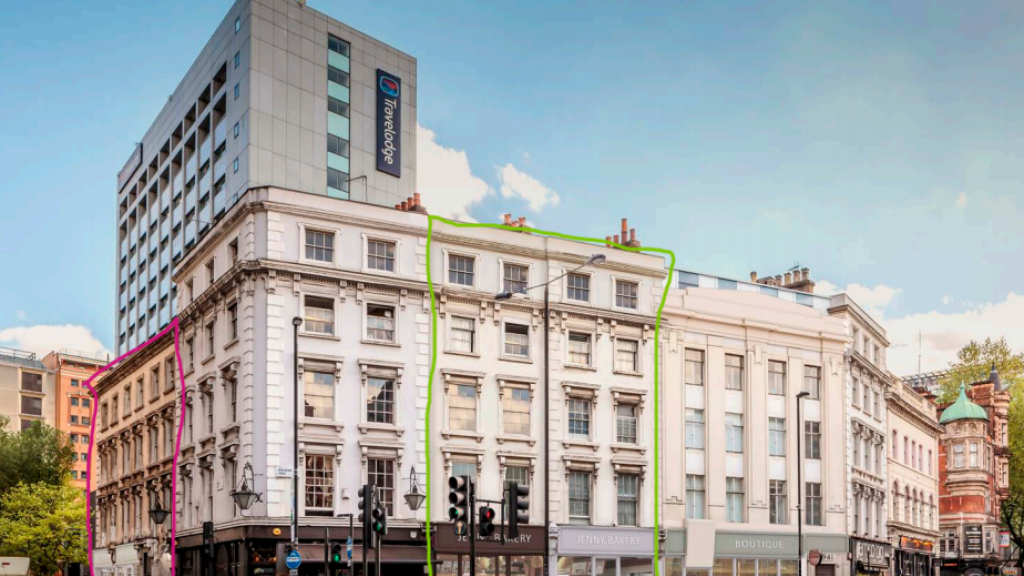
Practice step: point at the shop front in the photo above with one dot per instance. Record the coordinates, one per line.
(870, 557)
(605, 551)
(120, 560)
(689, 552)
(912, 556)
(520, 556)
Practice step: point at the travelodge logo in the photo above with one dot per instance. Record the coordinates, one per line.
(389, 86)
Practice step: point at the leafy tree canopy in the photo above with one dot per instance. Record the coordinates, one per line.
(41, 453)
(974, 362)
(46, 523)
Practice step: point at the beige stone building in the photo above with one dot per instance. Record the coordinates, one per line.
(27, 391)
(135, 442)
(913, 479)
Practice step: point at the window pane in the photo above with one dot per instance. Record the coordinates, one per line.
(515, 278)
(695, 367)
(319, 483)
(733, 372)
(626, 355)
(517, 340)
(380, 255)
(516, 415)
(579, 349)
(380, 400)
(625, 424)
(380, 322)
(319, 315)
(579, 417)
(460, 270)
(463, 334)
(776, 377)
(627, 485)
(318, 394)
(626, 294)
(462, 407)
(578, 287)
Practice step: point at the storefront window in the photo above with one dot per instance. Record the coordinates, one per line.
(486, 566)
(605, 567)
(787, 567)
(745, 567)
(673, 567)
(723, 567)
(767, 567)
(636, 566)
(573, 566)
(526, 565)
(448, 565)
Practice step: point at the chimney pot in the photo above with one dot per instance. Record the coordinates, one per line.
(753, 276)
(778, 280)
(405, 205)
(508, 219)
(522, 221)
(616, 237)
(807, 273)
(398, 206)
(625, 228)
(608, 241)
(632, 234)
(789, 278)
(416, 198)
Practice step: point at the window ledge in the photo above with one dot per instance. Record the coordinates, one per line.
(328, 422)
(589, 368)
(502, 438)
(461, 353)
(365, 427)
(320, 336)
(628, 373)
(619, 446)
(518, 359)
(231, 343)
(209, 358)
(448, 434)
(381, 343)
(579, 443)
(235, 427)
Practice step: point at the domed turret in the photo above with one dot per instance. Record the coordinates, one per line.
(963, 409)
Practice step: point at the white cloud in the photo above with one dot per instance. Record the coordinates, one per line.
(516, 183)
(872, 299)
(946, 300)
(961, 200)
(43, 339)
(22, 315)
(943, 334)
(444, 179)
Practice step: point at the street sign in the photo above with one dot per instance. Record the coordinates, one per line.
(814, 557)
(348, 548)
(293, 560)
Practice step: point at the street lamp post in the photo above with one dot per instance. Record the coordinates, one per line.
(593, 260)
(159, 515)
(296, 322)
(414, 497)
(800, 484)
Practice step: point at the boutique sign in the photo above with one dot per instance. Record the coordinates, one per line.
(389, 123)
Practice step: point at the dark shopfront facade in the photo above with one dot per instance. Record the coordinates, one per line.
(912, 557)
(523, 556)
(260, 551)
(870, 557)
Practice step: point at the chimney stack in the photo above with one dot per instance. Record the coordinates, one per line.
(508, 219)
(616, 237)
(522, 221)
(625, 229)
(608, 241)
(753, 276)
(405, 205)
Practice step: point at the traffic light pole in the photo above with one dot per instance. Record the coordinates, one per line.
(472, 527)
(380, 537)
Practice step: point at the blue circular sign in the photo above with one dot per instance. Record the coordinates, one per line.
(293, 560)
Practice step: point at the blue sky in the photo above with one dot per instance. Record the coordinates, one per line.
(880, 144)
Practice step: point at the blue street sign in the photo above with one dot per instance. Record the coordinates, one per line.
(348, 545)
(293, 560)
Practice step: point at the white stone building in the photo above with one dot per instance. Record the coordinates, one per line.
(736, 355)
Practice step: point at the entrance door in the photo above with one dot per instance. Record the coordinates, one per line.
(824, 570)
(606, 567)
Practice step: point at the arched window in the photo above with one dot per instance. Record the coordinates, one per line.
(931, 511)
(906, 504)
(896, 501)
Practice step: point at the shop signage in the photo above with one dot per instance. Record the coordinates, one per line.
(389, 123)
(736, 545)
(871, 554)
(973, 539)
(1011, 571)
(1004, 539)
(529, 542)
(601, 541)
(916, 544)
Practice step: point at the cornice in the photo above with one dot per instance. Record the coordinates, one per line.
(908, 412)
(126, 367)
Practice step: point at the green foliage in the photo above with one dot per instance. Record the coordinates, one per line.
(45, 523)
(1015, 438)
(974, 362)
(39, 454)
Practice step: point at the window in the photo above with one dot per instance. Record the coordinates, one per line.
(154, 382)
(31, 382)
(337, 45)
(74, 419)
(461, 269)
(515, 417)
(578, 287)
(232, 322)
(517, 474)
(238, 24)
(234, 165)
(813, 516)
(733, 372)
(895, 445)
(974, 455)
(776, 377)
(579, 497)
(127, 401)
(694, 496)
(812, 381)
(958, 456)
(318, 394)
(86, 403)
(74, 401)
(209, 339)
(906, 449)
(515, 278)
(208, 404)
(866, 402)
(579, 349)
(694, 429)
(85, 438)
(913, 454)
(319, 485)
(140, 392)
(627, 485)
(462, 407)
(336, 179)
(856, 451)
(168, 436)
(856, 392)
(929, 462)
(236, 130)
(625, 424)
(380, 255)
(319, 315)
(380, 322)
(579, 418)
(812, 435)
(336, 145)
(74, 382)
(695, 367)
(734, 500)
(380, 400)
(626, 294)
(319, 246)
(381, 474)
(238, 59)
(627, 355)
(463, 334)
(777, 436)
(517, 340)
(238, 91)
(777, 508)
(464, 469)
(734, 432)
(341, 109)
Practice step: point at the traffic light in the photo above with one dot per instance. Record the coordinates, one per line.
(380, 518)
(519, 507)
(458, 498)
(486, 521)
(365, 513)
(336, 553)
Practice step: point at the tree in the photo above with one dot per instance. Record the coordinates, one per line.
(41, 453)
(974, 362)
(45, 523)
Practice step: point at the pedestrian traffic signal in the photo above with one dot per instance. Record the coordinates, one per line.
(336, 551)
(366, 494)
(458, 499)
(519, 507)
(486, 521)
(380, 519)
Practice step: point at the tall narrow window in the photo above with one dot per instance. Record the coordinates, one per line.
(515, 278)
(733, 372)
(974, 455)
(318, 394)
(734, 500)
(462, 407)
(319, 485)
(626, 294)
(380, 255)
(579, 349)
(319, 315)
(463, 334)
(319, 246)
(694, 428)
(776, 377)
(579, 497)
(208, 405)
(515, 417)
(627, 355)
(812, 381)
(812, 433)
(380, 400)
(695, 493)
(461, 269)
(517, 340)
(627, 485)
(625, 424)
(777, 507)
(578, 287)
(154, 382)
(380, 322)
(734, 432)
(210, 339)
(695, 367)
(232, 322)
(579, 417)
(777, 436)
(813, 516)
(958, 456)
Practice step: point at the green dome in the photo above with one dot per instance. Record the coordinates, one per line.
(963, 409)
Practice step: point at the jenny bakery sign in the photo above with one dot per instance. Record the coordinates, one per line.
(605, 541)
